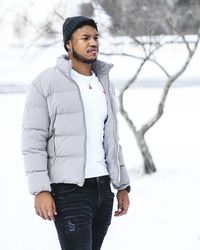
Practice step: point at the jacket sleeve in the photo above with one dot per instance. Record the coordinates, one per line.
(124, 177)
(35, 127)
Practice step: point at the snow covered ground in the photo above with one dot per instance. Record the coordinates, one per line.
(164, 211)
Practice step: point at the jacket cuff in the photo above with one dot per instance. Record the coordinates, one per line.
(122, 187)
(38, 182)
(124, 179)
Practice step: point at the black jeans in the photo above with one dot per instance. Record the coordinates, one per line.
(84, 213)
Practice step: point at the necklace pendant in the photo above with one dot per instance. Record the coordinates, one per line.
(90, 87)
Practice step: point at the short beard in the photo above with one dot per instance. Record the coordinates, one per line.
(82, 58)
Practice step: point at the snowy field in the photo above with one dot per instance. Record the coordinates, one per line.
(164, 211)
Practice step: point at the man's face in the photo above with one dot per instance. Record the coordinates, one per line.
(84, 44)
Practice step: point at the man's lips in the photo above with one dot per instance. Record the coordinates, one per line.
(92, 50)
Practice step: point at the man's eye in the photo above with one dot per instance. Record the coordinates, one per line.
(85, 38)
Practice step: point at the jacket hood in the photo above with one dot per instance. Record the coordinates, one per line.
(64, 64)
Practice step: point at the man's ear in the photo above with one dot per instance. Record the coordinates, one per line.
(68, 45)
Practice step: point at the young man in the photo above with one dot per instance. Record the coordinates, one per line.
(70, 142)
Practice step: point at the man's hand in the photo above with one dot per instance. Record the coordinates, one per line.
(45, 205)
(123, 203)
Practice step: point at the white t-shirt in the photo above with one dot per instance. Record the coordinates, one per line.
(95, 109)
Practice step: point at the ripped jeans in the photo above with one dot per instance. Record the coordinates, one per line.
(83, 213)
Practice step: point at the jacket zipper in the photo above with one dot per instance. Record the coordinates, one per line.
(84, 166)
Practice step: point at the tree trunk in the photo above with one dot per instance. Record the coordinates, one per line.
(149, 166)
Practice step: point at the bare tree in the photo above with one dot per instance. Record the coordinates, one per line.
(156, 18)
(150, 47)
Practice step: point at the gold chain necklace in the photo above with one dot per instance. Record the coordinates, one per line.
(89, 82)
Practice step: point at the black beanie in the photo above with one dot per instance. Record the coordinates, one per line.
(73, 23)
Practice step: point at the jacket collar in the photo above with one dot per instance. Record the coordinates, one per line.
(64, 64)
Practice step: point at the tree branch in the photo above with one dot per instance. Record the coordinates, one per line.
(138, 58)
(122, 110)
(168, 84)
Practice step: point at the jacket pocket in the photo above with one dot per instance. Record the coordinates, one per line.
(51, 150)
(54, 149)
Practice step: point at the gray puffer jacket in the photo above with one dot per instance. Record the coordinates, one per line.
(54, 132)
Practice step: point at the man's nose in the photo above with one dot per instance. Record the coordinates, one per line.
(93, 42)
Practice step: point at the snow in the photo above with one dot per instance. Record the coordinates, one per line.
(164, 211)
